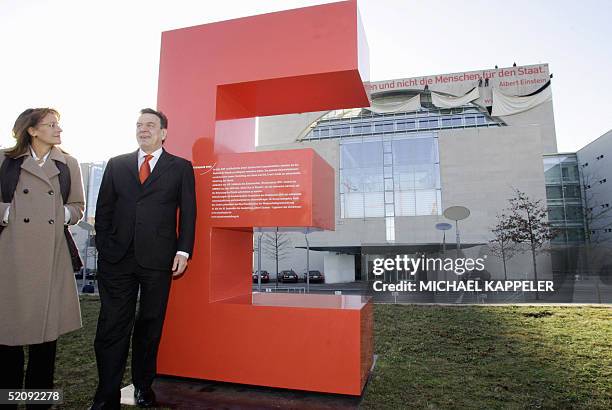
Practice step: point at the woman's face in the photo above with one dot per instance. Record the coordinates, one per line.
(48, 130)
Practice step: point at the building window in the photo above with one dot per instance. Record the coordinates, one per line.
(569, 173)
(405, 125)
(552, 170)
(362, 129)
(395, 177)
(390, 229)
(340, 131)
(570, 192)
(556, 213)
(383, 127)
(564, 198)
(361, 178)
(573, 212)
(554, 192)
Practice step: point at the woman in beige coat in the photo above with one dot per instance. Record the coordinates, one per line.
(38, 294)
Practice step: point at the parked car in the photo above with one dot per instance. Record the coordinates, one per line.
(288, 276)
(265, 277)
(91, 274)
(315, 276)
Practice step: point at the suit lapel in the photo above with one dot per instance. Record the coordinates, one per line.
(133, 165)
(163, 163)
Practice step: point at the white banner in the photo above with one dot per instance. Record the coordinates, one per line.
(412, 104)
(448, 101)
(508, 104)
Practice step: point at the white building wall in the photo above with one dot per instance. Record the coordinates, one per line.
(595, 162)
(480, 167)
(541, 116)
(278, 129)
(339, 268)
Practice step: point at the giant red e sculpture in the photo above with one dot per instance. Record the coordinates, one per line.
(214, 80)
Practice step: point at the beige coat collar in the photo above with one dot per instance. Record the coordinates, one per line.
(48, 170)
(55, 154)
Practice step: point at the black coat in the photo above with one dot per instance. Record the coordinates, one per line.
(146, 214)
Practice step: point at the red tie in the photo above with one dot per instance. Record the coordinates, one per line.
(145, 169)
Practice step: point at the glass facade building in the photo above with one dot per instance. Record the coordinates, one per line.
(564, 198)
(389, 163)
(389, 166)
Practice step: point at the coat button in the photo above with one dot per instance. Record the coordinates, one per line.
(51, 221)
(26, 220)
(51, 192)
(26, 191)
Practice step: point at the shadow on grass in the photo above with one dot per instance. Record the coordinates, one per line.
(491, 357)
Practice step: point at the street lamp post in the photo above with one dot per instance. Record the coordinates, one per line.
(457, 213)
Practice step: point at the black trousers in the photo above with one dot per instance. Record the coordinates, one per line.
(119, 285)
(39, 373)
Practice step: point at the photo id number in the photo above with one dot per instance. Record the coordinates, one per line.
(31, 396)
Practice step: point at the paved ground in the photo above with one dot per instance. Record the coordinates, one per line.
(177, 393)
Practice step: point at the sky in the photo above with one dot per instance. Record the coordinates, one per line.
(97, 61)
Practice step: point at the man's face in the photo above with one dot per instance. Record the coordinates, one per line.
(149, 133)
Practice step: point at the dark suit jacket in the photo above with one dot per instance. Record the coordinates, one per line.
(146, 214)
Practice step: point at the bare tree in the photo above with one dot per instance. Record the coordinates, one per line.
(277, 246)
(528, 224)
(502, 245)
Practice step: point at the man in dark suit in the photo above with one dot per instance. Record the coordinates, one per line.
(138, 248)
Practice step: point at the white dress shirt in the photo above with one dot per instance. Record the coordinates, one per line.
(141, 157)
(156, 154)
(41, 162)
